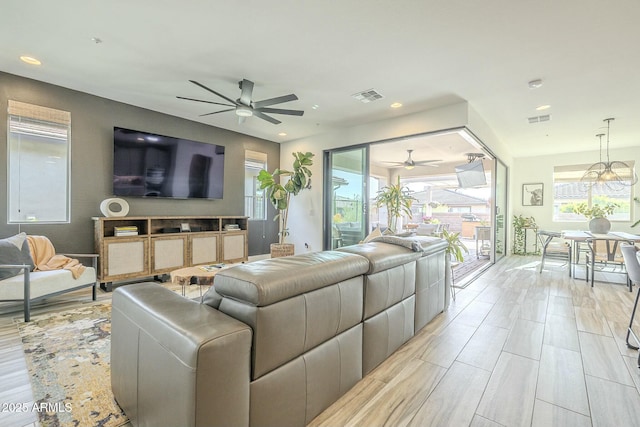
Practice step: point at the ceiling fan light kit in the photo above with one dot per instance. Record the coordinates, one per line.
(243, 111)
(615, 175)
(245, 106)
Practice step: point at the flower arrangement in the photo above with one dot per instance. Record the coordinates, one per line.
(595, 211)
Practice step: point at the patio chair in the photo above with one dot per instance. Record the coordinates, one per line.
(553, 247)
(606, 253)
(630, 255)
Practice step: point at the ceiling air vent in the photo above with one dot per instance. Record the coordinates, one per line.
(366, 96)
(538, 119)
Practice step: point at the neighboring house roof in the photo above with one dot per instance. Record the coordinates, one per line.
(449, 197)
(576, 191)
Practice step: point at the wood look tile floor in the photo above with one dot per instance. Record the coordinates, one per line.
(516, 348)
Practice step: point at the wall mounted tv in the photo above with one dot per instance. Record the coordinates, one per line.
(471, 174)
(150, 165)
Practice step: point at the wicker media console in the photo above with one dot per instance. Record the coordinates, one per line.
(144, 246)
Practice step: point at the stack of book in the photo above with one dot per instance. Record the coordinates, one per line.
(231, 227)
(130, 230)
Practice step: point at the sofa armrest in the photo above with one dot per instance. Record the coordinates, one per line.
(12, 266)
(92, 257)
(175, 361)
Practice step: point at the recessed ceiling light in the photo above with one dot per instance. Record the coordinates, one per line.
(30, 60)
(543, 107)
(282, 134)
(315, 106)
(396, 105)
(96, 40)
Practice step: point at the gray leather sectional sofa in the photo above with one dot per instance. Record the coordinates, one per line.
(275, 342)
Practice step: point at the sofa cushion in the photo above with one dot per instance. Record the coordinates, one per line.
(14, 250)
(265, 282)
(45, 283)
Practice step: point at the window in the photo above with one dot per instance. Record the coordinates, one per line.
(38, 164)
(254, 199)
(569, 191)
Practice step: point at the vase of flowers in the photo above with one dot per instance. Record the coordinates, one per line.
(597, 216)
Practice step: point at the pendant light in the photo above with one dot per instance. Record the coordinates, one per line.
(615, 175)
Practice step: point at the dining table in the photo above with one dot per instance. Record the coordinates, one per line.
(577, 237)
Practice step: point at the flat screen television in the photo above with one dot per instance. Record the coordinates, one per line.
(150, 165)
(471, 174)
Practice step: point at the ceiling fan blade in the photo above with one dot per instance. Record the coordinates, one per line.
(213, 92)
(425, 162)
(265, 117)
(281, 111)
(201, 100)
(273, 101)
(396, 163)
(216, 112)
(246, 86)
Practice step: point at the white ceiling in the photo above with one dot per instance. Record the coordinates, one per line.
(422, 53)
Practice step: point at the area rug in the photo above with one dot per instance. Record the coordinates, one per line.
(68, 355)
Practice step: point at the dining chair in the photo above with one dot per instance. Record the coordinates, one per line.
(630, 254)
(606, 253)
(554, 247)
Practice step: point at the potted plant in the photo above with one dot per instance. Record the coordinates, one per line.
(398, 200)
(520, 226)
(597, 216)
(279, 195)
(455, 246)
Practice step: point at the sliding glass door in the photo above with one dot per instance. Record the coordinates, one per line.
(500, 209)
(346, 196)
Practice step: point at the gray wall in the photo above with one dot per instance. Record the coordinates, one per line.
(92, 122)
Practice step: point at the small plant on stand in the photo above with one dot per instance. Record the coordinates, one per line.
(520, 226)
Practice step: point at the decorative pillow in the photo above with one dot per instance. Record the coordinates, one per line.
(14, 250)
(375, 233)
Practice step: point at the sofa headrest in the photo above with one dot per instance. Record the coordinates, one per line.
(382, 256)
(268, 281)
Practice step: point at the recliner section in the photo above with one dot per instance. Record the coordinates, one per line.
(281, 340)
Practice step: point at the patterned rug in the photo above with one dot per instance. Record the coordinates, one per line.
(68, 355)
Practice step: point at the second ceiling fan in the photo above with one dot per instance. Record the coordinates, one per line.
(245, 106)
(410, 163)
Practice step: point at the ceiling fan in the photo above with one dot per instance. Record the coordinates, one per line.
(245, 106)
(410, 163)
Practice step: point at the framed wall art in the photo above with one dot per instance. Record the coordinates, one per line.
(532, 194)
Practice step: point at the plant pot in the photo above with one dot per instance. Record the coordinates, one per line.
(599, 226)
(282, 249)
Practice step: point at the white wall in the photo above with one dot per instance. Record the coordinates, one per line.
(305, 217)
(540, 169)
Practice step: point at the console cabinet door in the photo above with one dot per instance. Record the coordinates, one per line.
(234, 247)
(125, 258)
(168, 253)
(204, 249)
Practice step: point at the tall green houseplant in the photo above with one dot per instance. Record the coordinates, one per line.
(398, 200)
(279, 194)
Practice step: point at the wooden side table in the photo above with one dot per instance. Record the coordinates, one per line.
(197, 275)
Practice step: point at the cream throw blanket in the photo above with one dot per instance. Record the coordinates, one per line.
(45, 258)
